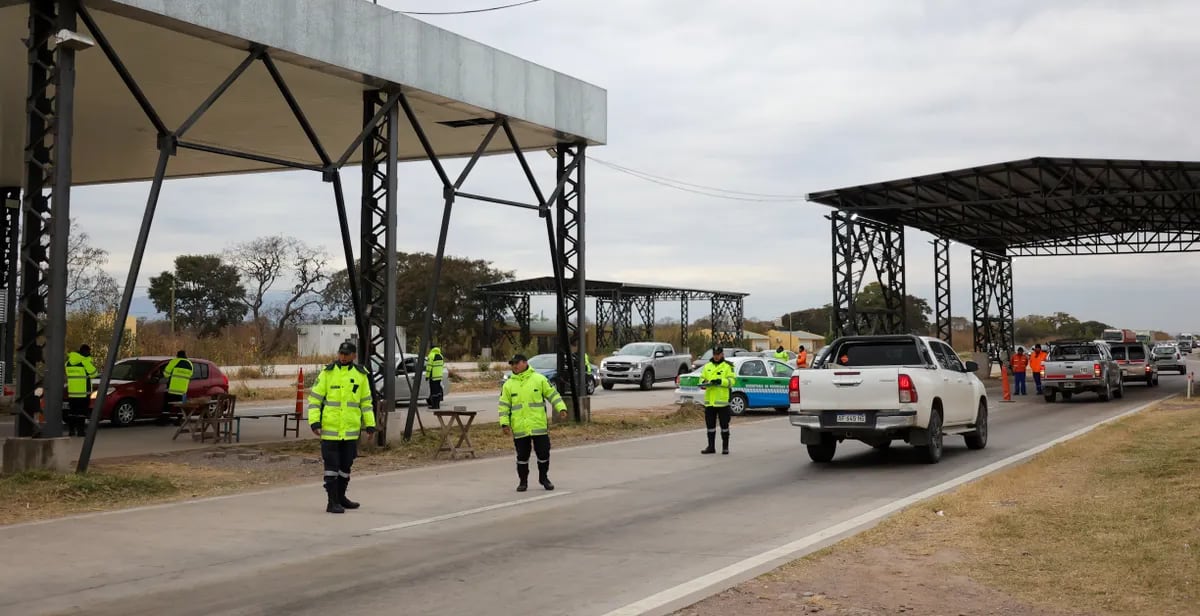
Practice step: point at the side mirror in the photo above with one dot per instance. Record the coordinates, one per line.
(658, 354)
(972, 367)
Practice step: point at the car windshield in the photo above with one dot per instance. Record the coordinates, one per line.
(1164, 350)
(1074, 352)
(547, 361)
(638, 349)
(132, 370)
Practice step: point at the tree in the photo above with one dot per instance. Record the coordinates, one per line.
(815, 320)
(459, 311)
(264, 261)
(208, 294)
(917, 310)
(89, 288)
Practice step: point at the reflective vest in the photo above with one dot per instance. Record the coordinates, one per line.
(523, 403)
(1036, 360)
(340, 401)
(587, 361)
(717, 395)
(179, 374)
(80, 371)
(781, 355)
(434, 364)
(802, 359)
(1019, 362)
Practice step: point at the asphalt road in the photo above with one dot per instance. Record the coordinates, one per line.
(630, 519)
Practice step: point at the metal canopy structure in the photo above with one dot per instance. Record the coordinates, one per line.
(1032, 207)
(616, 303)
(97, 91)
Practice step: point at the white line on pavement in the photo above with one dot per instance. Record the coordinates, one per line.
(691, 591)
(460, 514)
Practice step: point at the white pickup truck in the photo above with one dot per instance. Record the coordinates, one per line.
(879, 389)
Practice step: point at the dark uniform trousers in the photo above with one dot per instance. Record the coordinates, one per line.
(711, 413)
(78, 410)
(539, 443)
(435, 394)
(338, 457)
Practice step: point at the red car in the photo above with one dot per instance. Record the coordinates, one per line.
(137, 388)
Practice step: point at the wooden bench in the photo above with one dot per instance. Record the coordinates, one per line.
(449, 420)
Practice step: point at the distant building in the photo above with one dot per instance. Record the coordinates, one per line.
(323, 340)
(791, 340)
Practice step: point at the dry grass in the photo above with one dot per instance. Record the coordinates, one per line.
(1107, 523)
(246, 393)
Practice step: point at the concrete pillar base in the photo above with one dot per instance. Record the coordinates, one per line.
(33, 454)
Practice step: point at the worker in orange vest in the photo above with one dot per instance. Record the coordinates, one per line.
(1037, 359)
(802, 358)
(1019, 363)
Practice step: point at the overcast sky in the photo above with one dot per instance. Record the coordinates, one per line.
(783, 97)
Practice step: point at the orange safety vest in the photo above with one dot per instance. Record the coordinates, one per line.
(1036, 360)
(802, 359)
(1019, 362)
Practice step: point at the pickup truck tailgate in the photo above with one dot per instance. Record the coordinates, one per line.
(849, 389)
(1067, 370)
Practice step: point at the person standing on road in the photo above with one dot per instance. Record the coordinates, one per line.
(522, 410)
(1019, 363)
(717, 377)
(178, 374)
(435, 368)
(339, 408)
(1036, 360)
(802, 358)
(80, 372)
(781, 354)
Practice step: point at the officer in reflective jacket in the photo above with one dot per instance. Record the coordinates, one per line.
(781, 354)
(80, 372)
(435, 366)
(339, 408)
(178, 374)
(523, 416)
(717, 377)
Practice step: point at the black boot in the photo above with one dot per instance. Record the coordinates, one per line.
(334, 506)
(343, 483)
(523, 476)
(712, 437)
(544, 475)
(725, 443)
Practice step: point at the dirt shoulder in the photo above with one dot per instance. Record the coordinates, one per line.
(127, 482)
(1105, 524)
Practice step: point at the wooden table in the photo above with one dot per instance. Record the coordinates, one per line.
(192, 412)
(449, 420)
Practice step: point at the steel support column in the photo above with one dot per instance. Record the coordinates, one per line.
(941, 290)
(992, 299)
(727, 319)
(49, 107)
(683, 322)
(644, 305)
(605, 321)
(622, 320)
(11, 201)
(570, 214)
(859, 244)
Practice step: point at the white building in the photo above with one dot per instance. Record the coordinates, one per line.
(323, 340)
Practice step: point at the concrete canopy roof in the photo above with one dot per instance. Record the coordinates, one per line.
(329, 52)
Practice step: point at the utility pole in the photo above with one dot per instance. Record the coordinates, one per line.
(172, 304)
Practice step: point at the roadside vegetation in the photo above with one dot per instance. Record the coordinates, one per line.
(1104, 524)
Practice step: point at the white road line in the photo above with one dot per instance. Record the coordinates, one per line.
(460, 514)
(691, 591)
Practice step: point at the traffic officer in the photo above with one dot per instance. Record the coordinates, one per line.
(522, 410)
(802, 358)
(178, 374)
(717, 377)
(435, 367)
(781, 354)
(80, 372)
(339, 407)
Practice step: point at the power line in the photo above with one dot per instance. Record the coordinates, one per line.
(467, 12)
(701, 189)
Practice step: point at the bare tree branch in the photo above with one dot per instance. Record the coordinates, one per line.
(89, 287)
(265, 261)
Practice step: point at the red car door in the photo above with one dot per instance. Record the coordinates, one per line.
(152, 391)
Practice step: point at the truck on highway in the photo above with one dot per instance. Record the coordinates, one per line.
(1186, 342)
(643, 364)
(1118, 335)
(880, 389)
(1081, 366)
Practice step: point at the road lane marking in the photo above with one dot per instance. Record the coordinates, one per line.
(689, 592)
(460, 514)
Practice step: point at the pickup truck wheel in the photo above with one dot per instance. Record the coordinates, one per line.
(647, 380)
(824, 452)
(1049, 397)
(1120, 392)
(738, 404)
(606, 385)
(1105, 393)
(978, 438)
(932, 453)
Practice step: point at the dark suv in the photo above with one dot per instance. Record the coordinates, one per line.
(1136, 361)
(137, 388)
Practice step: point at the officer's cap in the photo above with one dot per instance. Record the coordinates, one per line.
(516, 359)
(347, 348)
(718, 351)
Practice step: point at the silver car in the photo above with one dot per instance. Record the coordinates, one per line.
(1168, 359)
(1136, 362)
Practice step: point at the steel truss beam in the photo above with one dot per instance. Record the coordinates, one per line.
(604, 323)
(645, 308)
(570, 207)
(941, 290)
(727, 320)
(495, 306)
(992, 299)
(859, 244)
(10, 200)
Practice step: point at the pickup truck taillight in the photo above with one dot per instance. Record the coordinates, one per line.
(1096, 370)
(794, 390)
(908, 390)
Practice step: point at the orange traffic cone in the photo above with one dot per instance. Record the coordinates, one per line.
(300, 394)
(1004, 384)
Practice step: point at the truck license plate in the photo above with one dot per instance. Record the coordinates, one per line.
(852, 418)
(1068, 386)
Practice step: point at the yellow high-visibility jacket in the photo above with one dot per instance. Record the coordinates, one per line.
(717, 395)
(179, 374)
(340, 401)
(80, 371)
(434, 364)
(523, 403)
